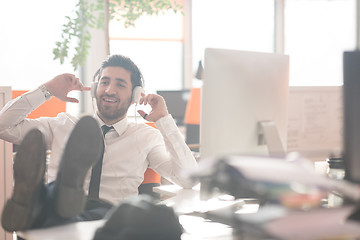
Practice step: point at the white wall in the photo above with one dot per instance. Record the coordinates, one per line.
(29, 30)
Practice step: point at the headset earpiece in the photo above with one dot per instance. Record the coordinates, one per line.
(136, 95)
(93, 89)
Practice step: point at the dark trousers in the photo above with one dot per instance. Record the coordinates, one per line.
(94, 210)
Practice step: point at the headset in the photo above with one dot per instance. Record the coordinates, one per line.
(136, 93)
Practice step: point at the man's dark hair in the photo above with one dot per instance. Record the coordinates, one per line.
(125, 62)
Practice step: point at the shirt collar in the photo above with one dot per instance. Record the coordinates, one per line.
(119, 127)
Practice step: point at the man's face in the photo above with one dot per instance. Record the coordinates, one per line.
(113, 94)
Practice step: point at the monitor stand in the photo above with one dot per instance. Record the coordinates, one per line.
(269, 135)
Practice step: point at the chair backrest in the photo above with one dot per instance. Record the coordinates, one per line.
(150, 175)
(192, 114)
(192, 120)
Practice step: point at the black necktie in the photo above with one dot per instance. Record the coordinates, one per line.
(94, 186)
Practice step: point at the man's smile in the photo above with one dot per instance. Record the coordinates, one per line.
(110, 100)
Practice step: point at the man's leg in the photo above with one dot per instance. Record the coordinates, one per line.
(63, 200)
(25, 207)
(83, 150)
(66, 197)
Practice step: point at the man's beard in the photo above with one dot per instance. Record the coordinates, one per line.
(111, 114)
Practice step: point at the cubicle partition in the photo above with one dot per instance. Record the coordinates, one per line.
(315, 121)
(6, 173)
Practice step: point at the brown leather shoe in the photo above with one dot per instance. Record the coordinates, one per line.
(83, 149)
(24, 206)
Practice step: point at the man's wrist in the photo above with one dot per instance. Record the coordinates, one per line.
(45, 91)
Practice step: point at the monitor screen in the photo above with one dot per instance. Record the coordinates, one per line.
(241, 91)
(176, 101)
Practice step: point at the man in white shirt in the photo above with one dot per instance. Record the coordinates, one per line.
(130, 148)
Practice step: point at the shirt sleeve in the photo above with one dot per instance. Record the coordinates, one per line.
(176, 159)
(13, 122)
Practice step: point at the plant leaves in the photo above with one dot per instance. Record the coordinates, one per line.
(89, 15)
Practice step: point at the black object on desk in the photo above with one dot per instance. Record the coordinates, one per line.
(351, 61)
(140, 218)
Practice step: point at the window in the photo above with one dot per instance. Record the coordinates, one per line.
(316, 35)
(234, 24)
(28, 39)
(156, 46)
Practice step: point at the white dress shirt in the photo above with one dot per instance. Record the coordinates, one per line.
(130, 148)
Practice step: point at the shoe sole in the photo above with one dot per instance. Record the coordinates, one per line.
(29, 169)
(82, 151)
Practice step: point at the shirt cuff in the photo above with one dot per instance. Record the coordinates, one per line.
(35, 97)
(166, 125)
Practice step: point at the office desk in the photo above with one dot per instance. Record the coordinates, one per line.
(195, 228)
(182, 200)
(73, 231)
(313, 225)
(187, 201)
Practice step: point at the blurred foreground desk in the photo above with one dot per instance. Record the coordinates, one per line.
(73, 231)
(253, 222)
(321, 223)
(187, 204)
(182, 200)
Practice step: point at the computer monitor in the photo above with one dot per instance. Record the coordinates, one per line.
(244, 100)
(176, 101)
